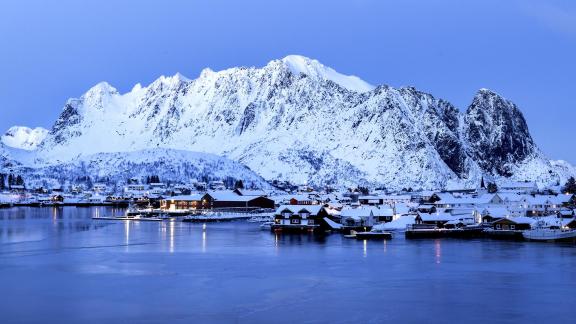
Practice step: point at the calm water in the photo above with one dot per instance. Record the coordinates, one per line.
(59, 266)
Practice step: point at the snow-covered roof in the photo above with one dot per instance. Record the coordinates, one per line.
(396, 197)
(399, 223)
(295, 209)
(436, 217)
(251, 192)
(496, 211)
(229, 196)
(356, 212)
(186, 197)
(519, 219)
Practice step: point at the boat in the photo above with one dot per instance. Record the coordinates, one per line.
(351, 235)
(542, 232)
(373, 235)
(266, 226)
(260, 219)
(129, 218)
(432, 231)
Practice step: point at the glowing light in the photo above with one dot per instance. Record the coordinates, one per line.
(171, 236)
(203, 241)
(365, 250)
(127, 232)
(437, 251)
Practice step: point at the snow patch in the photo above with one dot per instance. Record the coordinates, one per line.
(24, 138)
(300, 64)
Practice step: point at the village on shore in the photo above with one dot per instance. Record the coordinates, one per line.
(507, 211)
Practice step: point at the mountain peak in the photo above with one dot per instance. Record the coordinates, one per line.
(300, 64)
(171, 80)
(101, 88)
(486, 91)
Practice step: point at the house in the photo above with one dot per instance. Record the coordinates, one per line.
(17, 188)
(299, 218)
(217, 185)
(438, 218)
(396, 199)
(185, 203)
(370, 200)
(421, 196)
(526, 187)
(566, 212)
(357, 217)
(512, 223)
(302, 200)
(490, 214)
(232, 201)
(135, 190)
(99, 187)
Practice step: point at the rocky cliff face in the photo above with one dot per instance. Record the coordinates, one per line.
(497, 133)
(297, 120)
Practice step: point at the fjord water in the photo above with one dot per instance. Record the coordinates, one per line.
(57, 265)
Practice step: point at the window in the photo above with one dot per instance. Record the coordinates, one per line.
(512, 227)
(310, 222)
(498, 226)
(294, 221)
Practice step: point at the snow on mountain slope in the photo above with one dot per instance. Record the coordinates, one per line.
(312, 68)
(296, 120)
(169, 165)
(24, 138)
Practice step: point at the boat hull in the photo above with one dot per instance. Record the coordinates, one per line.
(373, 236)
(550, 236)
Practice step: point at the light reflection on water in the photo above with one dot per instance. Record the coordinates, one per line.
(437, 250)
(150, 271)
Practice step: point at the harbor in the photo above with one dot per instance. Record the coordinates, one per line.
(51, 256)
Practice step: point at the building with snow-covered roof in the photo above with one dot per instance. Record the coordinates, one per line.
(230, 199)
(299, 217)
(520, 223)
(518, 186)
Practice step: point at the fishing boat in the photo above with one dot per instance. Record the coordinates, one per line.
(374, 235)
(266, 226)
(542, 232)
(129, 218)
(432, 231)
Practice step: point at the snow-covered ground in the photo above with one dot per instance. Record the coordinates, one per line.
(25, 138)
(397, 224)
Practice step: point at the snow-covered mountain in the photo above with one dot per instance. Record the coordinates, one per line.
(298, 120)
(25, 138)
(170, 165)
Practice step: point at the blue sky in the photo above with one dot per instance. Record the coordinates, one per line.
(522, 49)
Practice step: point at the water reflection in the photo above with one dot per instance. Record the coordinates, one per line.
(437, 251)
(172, 236)
(204, 238)
(365, 248)
(127, 233)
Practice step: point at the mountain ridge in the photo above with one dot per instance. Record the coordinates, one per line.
(307, 128)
